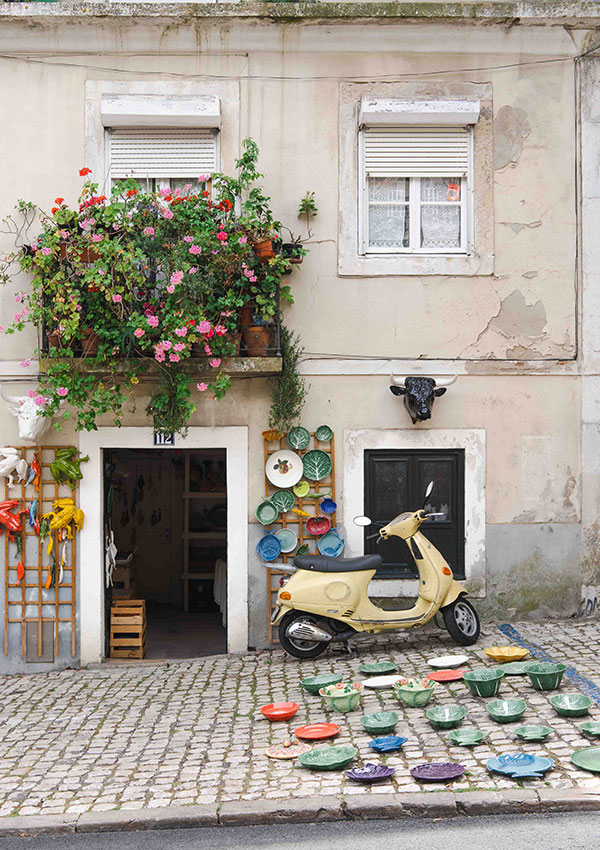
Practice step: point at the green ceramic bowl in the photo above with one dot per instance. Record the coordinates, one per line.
(377, 668)
(328, 758)
(483, 682)
(571, 705)
(533, 732)
(266, 512)
(446, 716)
(506, 710)
(545, 675)
(342, 699)
(414, 694)
(314, 683)
(380, 723)
(283, 500)
(591, 728)
(467, 737)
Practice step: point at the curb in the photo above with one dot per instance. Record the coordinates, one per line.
(435, 804)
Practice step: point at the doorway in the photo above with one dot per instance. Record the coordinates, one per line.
(395, 480)
(167, 510)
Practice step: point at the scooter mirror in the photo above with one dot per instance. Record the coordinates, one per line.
(363, 521)
(429, 490)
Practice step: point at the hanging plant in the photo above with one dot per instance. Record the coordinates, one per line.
(289, 393)
(144, 279)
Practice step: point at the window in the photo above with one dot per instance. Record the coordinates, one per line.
(415, 189)
(395, 481)
(416, 180)
(162, 157)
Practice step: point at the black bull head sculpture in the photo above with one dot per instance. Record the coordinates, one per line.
(419, 394)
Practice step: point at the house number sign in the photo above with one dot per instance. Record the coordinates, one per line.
(164, 439)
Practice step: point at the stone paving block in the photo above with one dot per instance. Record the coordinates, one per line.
(170, 817)
(305, 810)
(38, 825)
(569, 800)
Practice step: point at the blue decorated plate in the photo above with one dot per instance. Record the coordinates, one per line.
(269, 547)
(330, 544)
(520, 765)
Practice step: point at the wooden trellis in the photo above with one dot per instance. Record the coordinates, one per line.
(30, 601)
(309, 505)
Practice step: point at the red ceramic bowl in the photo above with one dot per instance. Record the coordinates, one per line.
(280, 710)
(318, 525)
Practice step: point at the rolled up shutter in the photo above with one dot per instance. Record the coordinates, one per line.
(416, 152)
(162, 152)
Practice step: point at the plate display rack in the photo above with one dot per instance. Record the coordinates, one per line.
(28, 602)
(289, 519)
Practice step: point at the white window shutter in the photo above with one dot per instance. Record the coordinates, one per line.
(162, 152)
(416, 152)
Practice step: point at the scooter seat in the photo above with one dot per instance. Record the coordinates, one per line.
(323, 564)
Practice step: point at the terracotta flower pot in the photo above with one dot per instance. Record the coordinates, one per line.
(55, 340)
(89, 343)
(86, 255)
(264, 250)
(235, 338)
(246, 314)
(257, 339)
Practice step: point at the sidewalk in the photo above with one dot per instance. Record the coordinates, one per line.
(119, 739)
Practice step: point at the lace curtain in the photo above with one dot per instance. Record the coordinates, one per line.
(388, 212)
(440, 225)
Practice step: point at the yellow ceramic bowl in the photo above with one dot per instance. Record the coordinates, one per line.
(505, 654)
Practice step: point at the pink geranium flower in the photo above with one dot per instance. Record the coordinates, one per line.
(25, 363)
(195, 249)
(181, 331)
(32, 393)
(166, 344)
(61, 391)
(188, 238)
(174, 358)
(179, 346)
(176, 277)
(202, 387)
(153, 321)
(215, 363)
(46, 251)
(148, 231)
(117, 298)
(167, 213)
(171, 288)
(204, 327)
(97, 237)
(139, 332)
(39, 400)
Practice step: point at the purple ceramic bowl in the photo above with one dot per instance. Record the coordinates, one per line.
(370, 773)
(437, 771)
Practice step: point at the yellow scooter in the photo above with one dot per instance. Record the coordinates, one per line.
(326, 598)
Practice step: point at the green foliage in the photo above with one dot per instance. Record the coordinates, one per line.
(152, 277)
(289, 394)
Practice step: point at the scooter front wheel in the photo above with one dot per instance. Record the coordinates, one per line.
(461, 621)
(295, 646)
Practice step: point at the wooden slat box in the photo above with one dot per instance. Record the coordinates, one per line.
(128, 628)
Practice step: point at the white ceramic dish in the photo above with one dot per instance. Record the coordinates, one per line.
(382, 681)
(447, 662)
(284, 468)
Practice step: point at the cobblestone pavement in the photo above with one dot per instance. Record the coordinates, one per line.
(152, 735)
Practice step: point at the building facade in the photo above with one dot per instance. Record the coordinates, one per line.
(452, 152)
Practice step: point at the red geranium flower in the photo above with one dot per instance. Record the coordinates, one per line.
(58, 201)
(131, 192)
(54, 210)
(83, 172)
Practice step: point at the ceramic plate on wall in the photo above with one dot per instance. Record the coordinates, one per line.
(330, 544)
(269, 547)
(266, 512)
(283, 500)
(316, 465)
(299, 438)
(288, 539)
(323, 433)
(284, 468)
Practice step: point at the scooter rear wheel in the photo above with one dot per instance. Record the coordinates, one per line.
(294, 646)
(461, 621)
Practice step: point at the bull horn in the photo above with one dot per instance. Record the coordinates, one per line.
(10, 399)
(399, 382)
(444, 382)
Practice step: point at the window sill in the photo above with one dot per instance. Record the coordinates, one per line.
(379, 265)
(256, 367)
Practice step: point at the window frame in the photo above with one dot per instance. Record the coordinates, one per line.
(414, 204)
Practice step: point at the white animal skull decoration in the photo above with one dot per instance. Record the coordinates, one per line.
(11, 462)
(31, 423)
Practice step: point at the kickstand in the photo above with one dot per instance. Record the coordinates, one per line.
(348, 648)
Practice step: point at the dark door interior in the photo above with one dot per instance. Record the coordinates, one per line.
(395, 481)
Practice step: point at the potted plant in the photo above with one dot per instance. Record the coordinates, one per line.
(145, 280)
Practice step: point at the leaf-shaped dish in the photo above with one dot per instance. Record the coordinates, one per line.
(371, 772)
(269, 547)
(506, 710)
(316, 465)
(330, 544)
(533, 732)
(376, 668)
(328, 758)
(591, 728)
(514, 668)
(446, 716)
(301, 489)
(283, 500)
(266, 512)
(545, 675)
(299, 438)
(467, 737)
(380, 722)
(587, 758)
(313, 684)
(483, 682)
(571, 705)
(323, 433)
(437, 771)
(504, 654)
(387, 744)
(519, 765)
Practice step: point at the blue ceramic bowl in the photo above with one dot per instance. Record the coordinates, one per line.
(328, 506)
(269, 547)
(387, 743)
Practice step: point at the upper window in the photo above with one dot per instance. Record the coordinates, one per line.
(162, 157)
(415, 190)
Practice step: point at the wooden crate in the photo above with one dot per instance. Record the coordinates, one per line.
(124, 586)
(128, 628)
